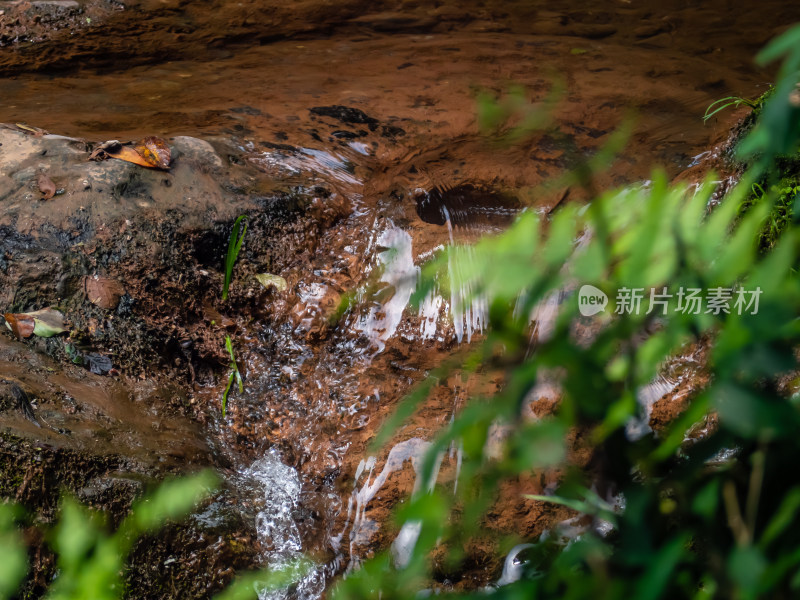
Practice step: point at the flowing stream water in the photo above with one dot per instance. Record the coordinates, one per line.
(411, 173)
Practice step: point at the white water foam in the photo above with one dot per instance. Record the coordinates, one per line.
(279, 486)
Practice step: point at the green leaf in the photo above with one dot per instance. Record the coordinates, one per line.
(652, 583)
(751, 416)
(746, 566)
(591, 504)
(251, 586)
(706, 501)
(786, 43)
(172, 500)
(47, 322)
(75, 536)
(227, 391)
(233, 375)
(538, 446)
(783, 517)
(234, 246)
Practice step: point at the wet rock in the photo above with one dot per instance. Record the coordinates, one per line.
(98, 193)
(199, 151)
(591, 31)
(55, 4)
(651, 29)
(391, 21)
(345, 114)
(104, 489)
(106, 442)
(196, 558)
(467, 206)
(661, 40)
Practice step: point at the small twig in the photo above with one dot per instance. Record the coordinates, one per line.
(754, 491)
(24, 404)
(735, 521)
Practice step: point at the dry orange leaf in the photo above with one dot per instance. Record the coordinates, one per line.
(128, 154)
(151, 152)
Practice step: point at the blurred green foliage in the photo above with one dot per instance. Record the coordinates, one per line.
(91, 560)
(715, 515)
(14, 563)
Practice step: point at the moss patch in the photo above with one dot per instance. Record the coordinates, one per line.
(780, 186)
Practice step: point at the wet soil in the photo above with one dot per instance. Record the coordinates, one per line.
(348, 135)
(105, 442)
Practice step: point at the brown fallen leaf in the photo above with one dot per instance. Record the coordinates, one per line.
(21, 325)
(46, 186)
(128, 154)
(101, 150)
(151, 152)
(155, 151)
(103, 292)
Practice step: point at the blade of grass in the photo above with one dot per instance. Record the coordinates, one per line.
(234, 246)
(225, 395)
(724, 103)
(234, 374)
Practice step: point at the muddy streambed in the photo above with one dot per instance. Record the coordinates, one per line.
(348, 134)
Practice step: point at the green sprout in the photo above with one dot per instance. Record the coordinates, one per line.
(233, 375)
(723, 103)
(234, 246)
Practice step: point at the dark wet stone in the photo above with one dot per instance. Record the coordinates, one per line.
(97, 363)
(345, 114)
(344, 135)
(247, 110)
(199, 151)
(466, 206)
(591, 31)
(392, 131)
(125, 306)
(395, 21)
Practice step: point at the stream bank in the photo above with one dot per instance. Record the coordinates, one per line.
(348, 136)
(125, 253)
